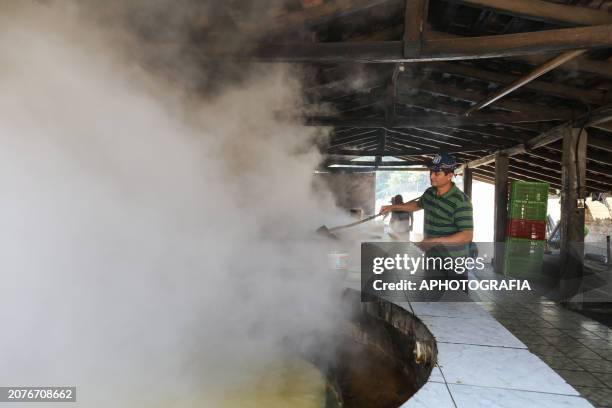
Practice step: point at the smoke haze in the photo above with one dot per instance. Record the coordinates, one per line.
(151, 235)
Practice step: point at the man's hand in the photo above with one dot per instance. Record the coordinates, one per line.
(426, 244)
(386, 209)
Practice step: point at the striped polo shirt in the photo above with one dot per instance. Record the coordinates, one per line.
(446, 214)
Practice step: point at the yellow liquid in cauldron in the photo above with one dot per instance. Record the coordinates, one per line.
(293, 383)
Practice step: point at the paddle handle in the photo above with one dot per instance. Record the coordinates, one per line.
(355, 223)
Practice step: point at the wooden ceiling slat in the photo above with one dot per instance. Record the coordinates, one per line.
(559, 90)
(423, 85)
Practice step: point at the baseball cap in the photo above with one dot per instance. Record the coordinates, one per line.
(443, 162)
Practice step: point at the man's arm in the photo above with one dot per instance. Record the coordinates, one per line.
(461, 237)
(410, 206)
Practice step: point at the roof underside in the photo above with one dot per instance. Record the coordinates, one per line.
(415, 105)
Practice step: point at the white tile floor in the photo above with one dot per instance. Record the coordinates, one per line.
(482, 331)
(482, 364)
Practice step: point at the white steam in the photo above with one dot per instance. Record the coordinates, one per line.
(150, 241)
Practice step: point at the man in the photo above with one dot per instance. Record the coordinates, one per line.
(448, 211)
(448, 222)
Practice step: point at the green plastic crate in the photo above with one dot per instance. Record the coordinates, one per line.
(523, 268)
(524, 248)
(523, 258)
(522, 191)
(528, 211)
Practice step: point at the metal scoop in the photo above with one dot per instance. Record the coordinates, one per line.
(328, 232)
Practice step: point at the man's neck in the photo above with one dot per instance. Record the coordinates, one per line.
(443, 189)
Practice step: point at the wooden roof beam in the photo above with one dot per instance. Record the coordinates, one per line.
(495, 46)
(543, 11)
(583, 64)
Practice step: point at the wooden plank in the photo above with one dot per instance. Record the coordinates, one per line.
(370, 163)
(600, 143)
(536, 168)
(360, 138)
(592, 156)
(409, 136)
(446, 136)
(544, 11)
(572, 211)
(412, 152)
(498, 133)
(493, 157)
(495, 46)
(414, 25)
(514, 175)
(422, 120)
(592, 167)
(517, 118)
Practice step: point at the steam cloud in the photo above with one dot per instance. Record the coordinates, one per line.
(151, 237)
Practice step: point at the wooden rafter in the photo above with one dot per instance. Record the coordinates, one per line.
(544, 11)
(506, 45)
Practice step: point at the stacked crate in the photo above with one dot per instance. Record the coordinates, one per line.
(526, 229)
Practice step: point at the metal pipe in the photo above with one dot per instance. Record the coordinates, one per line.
(539, 71)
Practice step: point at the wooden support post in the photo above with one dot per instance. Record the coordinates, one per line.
(573, 195)
(414, 26)
(382, 144)
(467, 182)
(501, 209)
